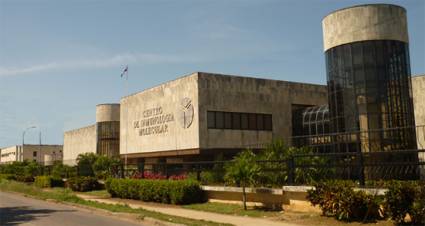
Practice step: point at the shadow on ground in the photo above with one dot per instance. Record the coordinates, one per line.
(20, 214)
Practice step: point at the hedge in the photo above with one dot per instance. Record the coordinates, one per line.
(48, 182)
(7, 176)
(163, 191)
(83, 183)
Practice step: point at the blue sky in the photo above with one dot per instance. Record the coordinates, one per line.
(58, 59)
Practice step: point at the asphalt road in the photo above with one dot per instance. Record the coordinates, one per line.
(19, 210)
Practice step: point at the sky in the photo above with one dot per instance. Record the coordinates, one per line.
(60, 58)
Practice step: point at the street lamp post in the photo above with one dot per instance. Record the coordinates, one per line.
(23, 138)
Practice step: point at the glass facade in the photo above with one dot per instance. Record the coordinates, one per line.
(369, 90)
(108, 138)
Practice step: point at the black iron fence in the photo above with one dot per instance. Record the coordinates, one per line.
(301, 169)
(399, 138)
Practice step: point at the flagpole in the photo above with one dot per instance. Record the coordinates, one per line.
(126, 124)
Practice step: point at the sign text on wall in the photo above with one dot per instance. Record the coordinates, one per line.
(154, 121)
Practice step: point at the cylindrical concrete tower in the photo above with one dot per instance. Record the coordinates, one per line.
(108, 129)
(368, 75)
(108, 113)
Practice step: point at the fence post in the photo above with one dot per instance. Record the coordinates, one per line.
(198, 172)
(291, 171)
(361, 169)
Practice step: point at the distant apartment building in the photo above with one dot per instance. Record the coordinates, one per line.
(44, 154)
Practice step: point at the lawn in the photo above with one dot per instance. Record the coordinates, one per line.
(67, 196)
(301, 218)
(233, 209)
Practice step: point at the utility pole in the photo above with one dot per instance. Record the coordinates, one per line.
(23, 140)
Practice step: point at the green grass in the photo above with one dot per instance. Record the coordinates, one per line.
(232, 209)
(66, 195)
(98, 194)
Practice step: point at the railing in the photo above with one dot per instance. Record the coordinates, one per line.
(302, 168)
(399, 138)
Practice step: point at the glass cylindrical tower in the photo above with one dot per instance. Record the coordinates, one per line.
(368, 76)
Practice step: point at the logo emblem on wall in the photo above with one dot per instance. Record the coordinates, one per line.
(186, 112)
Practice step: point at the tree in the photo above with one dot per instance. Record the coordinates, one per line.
(105, 167)
(243, 171)
(277, 172)
(59, 170)
(85, 162)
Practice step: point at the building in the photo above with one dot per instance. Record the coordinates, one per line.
(101, 137)
(368, 73)
(201, 115)
(370, 104)
(418, 88)
(44, 154)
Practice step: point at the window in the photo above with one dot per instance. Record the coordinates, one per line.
(34, 154)
(219, 120)
(260, 122)
(236, 120)
(211, 119)
(268, 122)
(239, 121)
(227, 120)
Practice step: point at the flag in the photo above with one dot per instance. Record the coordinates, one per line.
(125, 71)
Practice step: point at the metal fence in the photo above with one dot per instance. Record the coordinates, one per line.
(301, 169)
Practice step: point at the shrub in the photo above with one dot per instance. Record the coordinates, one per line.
(338, 199)
(406, 198)
(163, 191)
(83, 183)
(48, 182)
(7, 176)
(24, 178)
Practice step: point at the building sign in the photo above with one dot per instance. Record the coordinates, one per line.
(154, 121)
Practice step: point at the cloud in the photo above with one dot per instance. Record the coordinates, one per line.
(106, 62)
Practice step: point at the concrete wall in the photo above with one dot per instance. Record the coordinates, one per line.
(78, 141)
(418, 90)
(107, 112)
(365, 22)
(154, 120)
(252, 95)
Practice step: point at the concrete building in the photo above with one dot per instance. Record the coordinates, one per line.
(418, 90)
(200, 115)
(101, 138)
(44, 154)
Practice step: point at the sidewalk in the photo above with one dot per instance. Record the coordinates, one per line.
(193, 214)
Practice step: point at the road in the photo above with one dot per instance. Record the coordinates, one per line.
(19, 210)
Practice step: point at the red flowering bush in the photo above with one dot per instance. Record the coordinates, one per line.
(178, 177)
(148, 175)
(157, 176)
